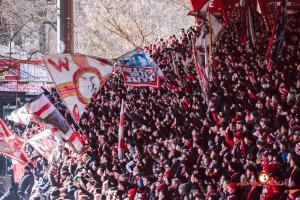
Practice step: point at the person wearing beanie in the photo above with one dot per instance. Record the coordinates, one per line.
(26, 183)
(235, 170)
(232, 189)
(54, 194)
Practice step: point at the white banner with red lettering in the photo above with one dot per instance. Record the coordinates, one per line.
(293, 6)
(77, 77)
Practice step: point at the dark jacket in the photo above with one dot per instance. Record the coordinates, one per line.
(10, 195)
(26, 183)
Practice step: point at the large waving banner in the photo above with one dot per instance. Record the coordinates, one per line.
(77, 77)
(140, 70)
(201, 46)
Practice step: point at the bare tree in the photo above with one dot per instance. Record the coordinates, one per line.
(24, 25)
(102, 27)
(111, 29)
(22, 21)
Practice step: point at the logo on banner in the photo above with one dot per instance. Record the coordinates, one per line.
(136, 59)
(140, 74)
(87, 81)
(61, 64)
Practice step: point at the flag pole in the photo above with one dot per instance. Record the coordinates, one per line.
(121, 69)
(121, 133)
(210, 62)
(210, 39)
(65, 33)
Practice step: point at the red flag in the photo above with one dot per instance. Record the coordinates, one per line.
(11, 145)
(18, 170)
(246, 11)
(276, 40)
(121, 144)
(243, 148)
(197, 4)
(216, 7)
(268, 9)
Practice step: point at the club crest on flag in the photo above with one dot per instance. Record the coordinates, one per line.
(88, 81)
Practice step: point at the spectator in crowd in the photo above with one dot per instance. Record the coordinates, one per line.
(177, 145)
(2, 165)
(26, 183)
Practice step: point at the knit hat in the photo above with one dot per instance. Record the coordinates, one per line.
(161, 186)
(295, 130)
(238, 135)
(27, 168)
(240, 122)
(250, 137)
(55, 194)
(131, 193)
(235, 166)
(232, 185)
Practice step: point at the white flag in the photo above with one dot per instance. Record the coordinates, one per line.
(20, 116)
(47, 143)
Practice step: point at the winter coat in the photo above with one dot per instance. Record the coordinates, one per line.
(26, 183)
(10, 195)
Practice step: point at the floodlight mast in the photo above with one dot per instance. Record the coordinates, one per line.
(65, 33)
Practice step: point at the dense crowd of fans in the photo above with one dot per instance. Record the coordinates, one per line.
(177, 145)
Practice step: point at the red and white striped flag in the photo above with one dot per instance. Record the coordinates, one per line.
(121, 144)
(11, 145)
(41, 107)
(293, 6)
(45, 110)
